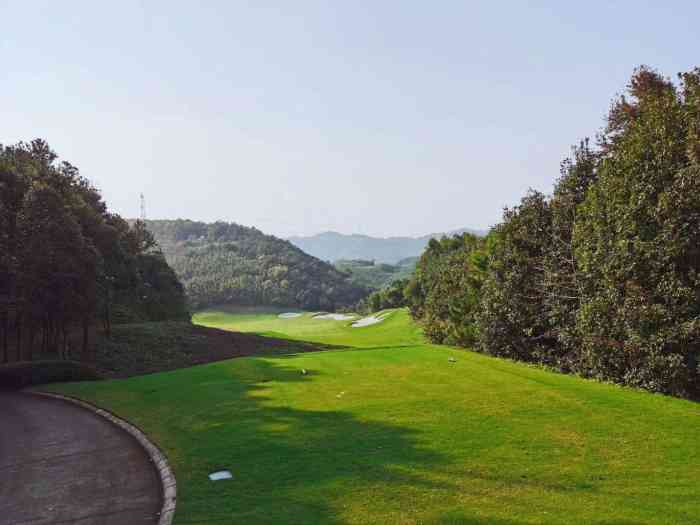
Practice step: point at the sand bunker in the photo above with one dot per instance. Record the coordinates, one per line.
(336, 317)
(289, 315)
(368, 321)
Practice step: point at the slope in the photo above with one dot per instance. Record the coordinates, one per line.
(222, 263)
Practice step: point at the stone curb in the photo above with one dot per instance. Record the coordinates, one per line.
(167, 478)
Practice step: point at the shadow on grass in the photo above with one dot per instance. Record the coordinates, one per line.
(463, 519)
(146, 348)
(290, 465)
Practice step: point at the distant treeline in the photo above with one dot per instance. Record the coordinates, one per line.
(602, 278)
(225, 263)
(66, 262)
(374, 275)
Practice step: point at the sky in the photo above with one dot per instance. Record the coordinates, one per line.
(374, 117)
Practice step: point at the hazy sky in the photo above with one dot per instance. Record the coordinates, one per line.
(376, 117)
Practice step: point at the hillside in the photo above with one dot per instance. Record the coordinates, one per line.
(222, 263)
(333, 246)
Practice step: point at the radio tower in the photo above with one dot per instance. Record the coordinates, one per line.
(143, 208)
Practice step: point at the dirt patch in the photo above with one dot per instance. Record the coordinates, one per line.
(157, 347)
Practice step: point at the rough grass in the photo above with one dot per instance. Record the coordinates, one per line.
(142, 348)
(386, 430)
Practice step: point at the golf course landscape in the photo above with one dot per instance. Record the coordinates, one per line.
(378, 426)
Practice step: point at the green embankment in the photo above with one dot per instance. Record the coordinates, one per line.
(384, 428)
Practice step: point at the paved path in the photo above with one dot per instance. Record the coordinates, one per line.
(61, 464)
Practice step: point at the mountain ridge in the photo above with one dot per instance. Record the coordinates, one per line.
(333, 246)
(227, 263)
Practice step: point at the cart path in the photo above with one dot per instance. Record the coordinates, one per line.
(60, 464)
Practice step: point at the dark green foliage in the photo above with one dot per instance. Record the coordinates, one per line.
(375, 276)
(224, 263)
(513, 321)
(391, 296)
(65, 261)
(24, 374)
(638, 240)
(561, 276)
(603, 277)
(445, 290)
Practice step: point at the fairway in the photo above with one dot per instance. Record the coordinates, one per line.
(384, 428)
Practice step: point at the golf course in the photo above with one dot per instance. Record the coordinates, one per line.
(378, 426)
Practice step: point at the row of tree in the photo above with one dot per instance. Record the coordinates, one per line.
(67, 263)
(374, 275)
(602, 278)
(226, 263)
(390, 296)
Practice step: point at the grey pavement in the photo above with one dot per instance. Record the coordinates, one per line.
(60, 463)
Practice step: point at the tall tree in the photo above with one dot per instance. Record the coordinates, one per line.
(513, 319)
(638, 237)
(561, 280)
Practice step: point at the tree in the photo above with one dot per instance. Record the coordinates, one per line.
(444, 293)
(638, 237)
(561, 280)
(58, 267)
(63, 256)
(513, 319)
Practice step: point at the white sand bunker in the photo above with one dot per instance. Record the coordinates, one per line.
(336, 317)
(370, 320)
(289, 315)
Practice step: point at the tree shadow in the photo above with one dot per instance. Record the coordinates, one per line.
(460, 518)
(290, 465)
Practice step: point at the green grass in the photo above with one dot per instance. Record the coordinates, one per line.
(385, 430)
(396, 331)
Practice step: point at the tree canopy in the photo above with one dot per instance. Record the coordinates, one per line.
(66, 261)
(602, 278)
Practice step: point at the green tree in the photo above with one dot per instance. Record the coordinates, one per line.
(513, 319)
(637, 241)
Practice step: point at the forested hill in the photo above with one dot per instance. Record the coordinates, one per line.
(225, 263)
(333, 246)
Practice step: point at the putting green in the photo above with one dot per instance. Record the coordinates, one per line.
(384, 428)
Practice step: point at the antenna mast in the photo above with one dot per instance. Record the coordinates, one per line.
(143, 208)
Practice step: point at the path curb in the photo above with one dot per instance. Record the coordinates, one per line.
(167, 478)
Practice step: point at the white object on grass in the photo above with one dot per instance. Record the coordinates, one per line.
(221, 474)
(370, 320)
(289, 315)
(336, 317)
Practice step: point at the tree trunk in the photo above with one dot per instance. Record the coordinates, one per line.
(32, 336)
(108, 315)
(85, 339)
(44, 336)
(64, 331)
(5, 327)
(18, 323)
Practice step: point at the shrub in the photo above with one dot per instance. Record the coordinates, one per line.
(30, 373)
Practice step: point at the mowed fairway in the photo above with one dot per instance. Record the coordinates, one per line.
(384, 429)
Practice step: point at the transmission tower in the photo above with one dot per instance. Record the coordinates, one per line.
(143, 208)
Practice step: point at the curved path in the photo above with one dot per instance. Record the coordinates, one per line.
(61, 464)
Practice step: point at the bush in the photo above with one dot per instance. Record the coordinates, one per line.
(30, 373)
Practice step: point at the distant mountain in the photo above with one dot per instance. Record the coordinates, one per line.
(333, 246)
(225, 263)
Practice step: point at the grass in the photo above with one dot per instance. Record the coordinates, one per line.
(384, 429)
